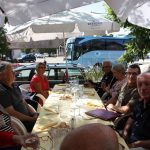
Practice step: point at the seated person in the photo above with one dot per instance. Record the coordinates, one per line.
(137, 128)
(91, 137)
(119, 73)
(9, 136)
(39, 82)
(128, 94)
(11, 98)
(107, 80)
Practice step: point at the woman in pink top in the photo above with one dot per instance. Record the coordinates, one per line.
(39, 82)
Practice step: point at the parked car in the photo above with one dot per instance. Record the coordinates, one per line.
(45, 54)
(56, 73)
(39, 55)
(27, 58)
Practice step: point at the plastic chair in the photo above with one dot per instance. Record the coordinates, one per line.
(24, 88)
(26, 94)
(41, 97)
(32, 108)
(19, 125)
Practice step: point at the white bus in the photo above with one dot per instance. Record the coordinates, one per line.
(89, 50)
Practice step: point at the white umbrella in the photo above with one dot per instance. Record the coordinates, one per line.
(135, 11)
(21, 11)
(53, 26)
(66, 22)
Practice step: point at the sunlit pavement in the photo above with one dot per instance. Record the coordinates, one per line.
(51, 59)
(48, 60)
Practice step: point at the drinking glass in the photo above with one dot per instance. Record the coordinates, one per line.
(32, 143)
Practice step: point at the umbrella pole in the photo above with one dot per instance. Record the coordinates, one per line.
(66, 73)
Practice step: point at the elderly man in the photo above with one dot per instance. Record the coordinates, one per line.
(137, 128)
(107, 80)
(91, 137)
(128, 94)
(11, 97)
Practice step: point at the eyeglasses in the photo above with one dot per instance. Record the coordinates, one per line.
(131, 73)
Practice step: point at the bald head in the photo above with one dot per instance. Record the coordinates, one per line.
(91, 137)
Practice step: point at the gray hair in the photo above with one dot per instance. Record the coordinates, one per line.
(108, 62)
(3, 65)
(120, 68)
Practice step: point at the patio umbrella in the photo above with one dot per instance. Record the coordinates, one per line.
(66, 21)
(21, 11)
(135, 11)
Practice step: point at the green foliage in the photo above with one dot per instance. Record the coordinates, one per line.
(140, 45)
(94, 74)
(4, 45)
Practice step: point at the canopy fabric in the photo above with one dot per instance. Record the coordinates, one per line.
(22, 11)
(29, 36)
(66, 21)
(63, 23)
(135, 11)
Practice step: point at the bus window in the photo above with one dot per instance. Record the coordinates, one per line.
(114, 46)
(69, 50)
(98, 44)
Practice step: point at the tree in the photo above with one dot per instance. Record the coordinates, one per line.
(140, 45)
(4, 45)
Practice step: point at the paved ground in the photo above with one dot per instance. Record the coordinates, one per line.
(48, 60)
(51, 59)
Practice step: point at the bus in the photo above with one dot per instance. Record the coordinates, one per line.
(89, 50)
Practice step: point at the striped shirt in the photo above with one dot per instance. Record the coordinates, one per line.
(5, 122)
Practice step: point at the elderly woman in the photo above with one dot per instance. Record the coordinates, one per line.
(119, 73)
(39, 82)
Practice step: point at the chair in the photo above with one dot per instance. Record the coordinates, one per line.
(41, 97)
(24, 88)
(27, 95)
(16, 123)
(32, 108)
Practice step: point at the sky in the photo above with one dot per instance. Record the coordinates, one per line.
(95, 7)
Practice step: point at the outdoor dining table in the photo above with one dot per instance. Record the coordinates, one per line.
(61, 113)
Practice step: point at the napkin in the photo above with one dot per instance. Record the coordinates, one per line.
(51, 110)
(49, 125)
(94, 103)
(89, 93)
